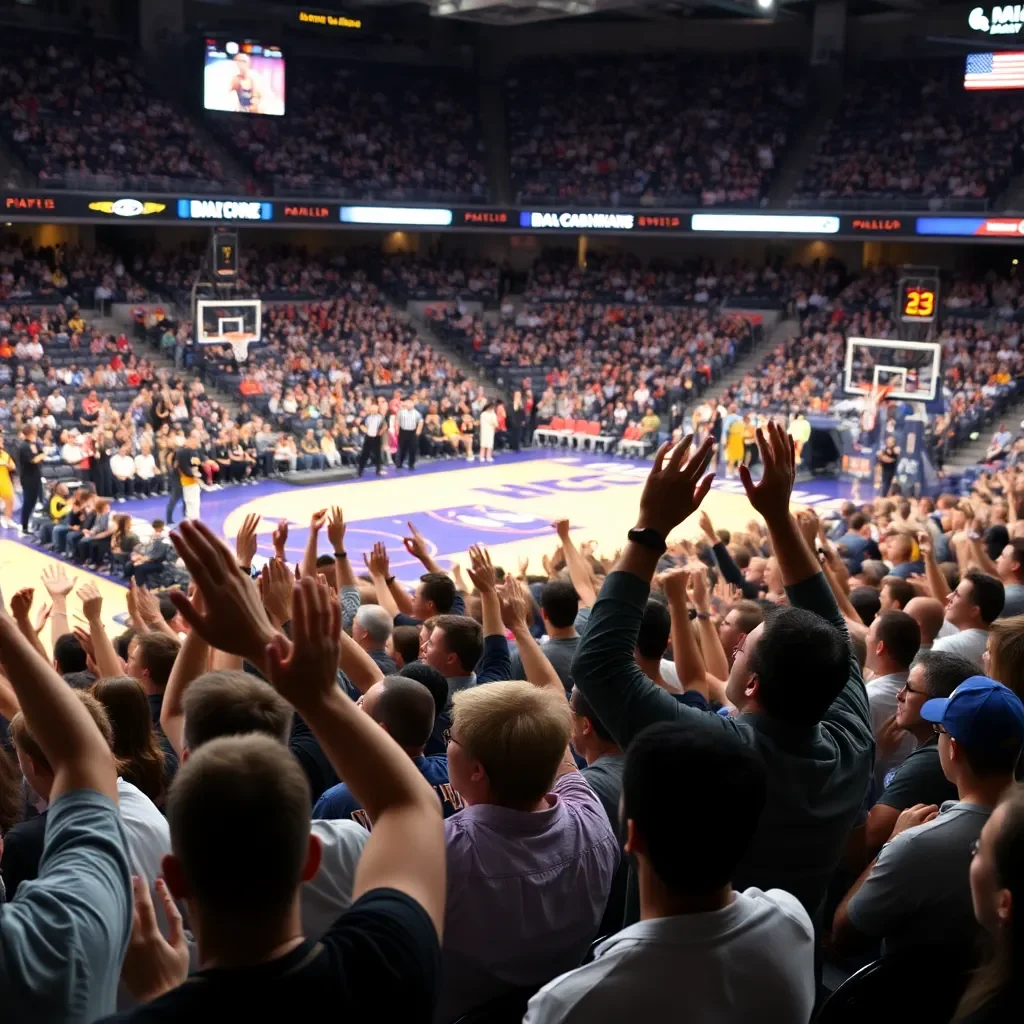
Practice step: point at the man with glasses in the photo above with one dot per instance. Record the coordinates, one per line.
(916, 892)
(919, 779)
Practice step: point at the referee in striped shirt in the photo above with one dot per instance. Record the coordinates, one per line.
(375, 424)
(410, 425)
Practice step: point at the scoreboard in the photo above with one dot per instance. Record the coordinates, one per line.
(918, 297)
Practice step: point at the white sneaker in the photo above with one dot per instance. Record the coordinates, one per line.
(469, 458)
(7, 524)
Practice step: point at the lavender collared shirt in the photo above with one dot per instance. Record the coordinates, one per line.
(526, 892)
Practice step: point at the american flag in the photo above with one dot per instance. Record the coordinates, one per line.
(994, 71)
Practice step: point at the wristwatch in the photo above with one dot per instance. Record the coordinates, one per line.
(341, 554)
(647, 537)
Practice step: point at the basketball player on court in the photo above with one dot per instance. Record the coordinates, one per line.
(189, 467)
(246, 87)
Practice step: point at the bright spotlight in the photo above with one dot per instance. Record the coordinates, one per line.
(766, 5)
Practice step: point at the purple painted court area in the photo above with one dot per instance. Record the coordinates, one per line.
(451, 527)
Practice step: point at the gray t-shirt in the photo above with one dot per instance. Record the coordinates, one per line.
(1014, 604)
(919, 886)
(968, 643)
(559, 651)
(63, 937)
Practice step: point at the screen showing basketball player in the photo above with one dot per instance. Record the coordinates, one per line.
(244, 78)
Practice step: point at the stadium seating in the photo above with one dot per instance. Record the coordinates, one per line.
(915, 137)
(626, 131)
(80, 115)
(367, 131)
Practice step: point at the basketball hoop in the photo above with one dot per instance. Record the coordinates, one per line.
(239, 342)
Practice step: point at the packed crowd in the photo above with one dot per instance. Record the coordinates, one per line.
(79, 114)
(634, 131)
(916, 137)
(440, 777)
(368, 131)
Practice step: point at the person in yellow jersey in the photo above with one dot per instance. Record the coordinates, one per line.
(800, 431)
(188, 462)
(7, 467)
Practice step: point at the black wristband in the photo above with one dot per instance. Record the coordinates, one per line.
(389, 580)
(341, 554)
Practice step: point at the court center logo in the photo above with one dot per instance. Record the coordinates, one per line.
(494, 520)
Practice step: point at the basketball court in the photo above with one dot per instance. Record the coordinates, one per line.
(508, 506)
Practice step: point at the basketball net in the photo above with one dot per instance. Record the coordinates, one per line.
(239, 342)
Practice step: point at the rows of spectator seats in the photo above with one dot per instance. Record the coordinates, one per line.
(915, 138)
(367, 131)
(613, 131)
(80, 115)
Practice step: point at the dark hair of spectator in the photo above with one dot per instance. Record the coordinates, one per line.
(233, 787)
(406, 709)
(140, 759)
(1006, 653)
(69, 655)
(464, 637)
(581, 709)
(440, 589)
(231, 703)
(988, 594)
(867, 602)
(901, 635)
(12, 792)
(944, 672)
(655, 629)
(666, 816)
(157, 653)
(406, 642)
(900, 590)
(802, 664)
(560, 603)
(429, 677)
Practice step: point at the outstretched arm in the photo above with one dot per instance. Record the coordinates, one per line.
(685, 652)
(936, 580)
(417, 546)
(379, 567)
(60, 724)
(107, 661)
(309, 557)
(579, 571)
(406, 849)
(189, 665)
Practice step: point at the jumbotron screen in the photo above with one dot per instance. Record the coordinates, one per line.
(243, 78)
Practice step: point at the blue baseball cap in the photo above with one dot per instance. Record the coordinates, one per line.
(979, 713)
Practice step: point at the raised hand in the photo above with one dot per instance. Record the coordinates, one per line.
(42, 616)
(245, 543)
(674, 583)
(416, 545)
(21, 604)
(708, 529)
(808, 523)
(699, 585)
(280, 537)
(147, 604)
(92, 603)
(674, 491)
(154, 965)
(275, 586)
(524, 564)
(770, 496)
(924, 542)
(57, 582)
(561, 527)
(305, 671)
(481, 570)
(336, 529)
(233, 619)
(318, 520)
(513, 604)
(377, 564)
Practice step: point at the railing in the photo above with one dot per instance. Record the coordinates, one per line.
(328, 190)
(895, 204)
